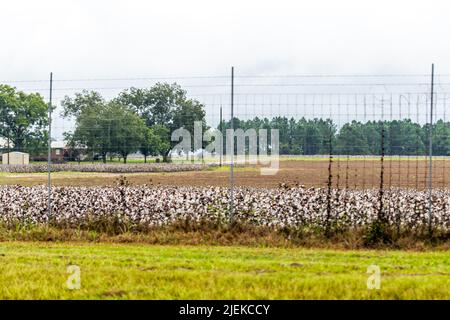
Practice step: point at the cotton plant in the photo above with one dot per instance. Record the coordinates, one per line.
(107, 168)
(296, 207)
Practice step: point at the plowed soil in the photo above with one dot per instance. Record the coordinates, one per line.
(310, 173)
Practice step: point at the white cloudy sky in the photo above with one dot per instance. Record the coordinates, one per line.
(85, 39)
(88, 38)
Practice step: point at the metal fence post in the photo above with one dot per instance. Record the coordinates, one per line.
(430, 175)
(232, 153)
(8, 146)
(50, 147)
(221, 132)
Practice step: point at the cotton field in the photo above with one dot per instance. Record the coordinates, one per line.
(109, 168)
(282, 207)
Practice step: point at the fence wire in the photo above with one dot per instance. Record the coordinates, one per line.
(336, 132)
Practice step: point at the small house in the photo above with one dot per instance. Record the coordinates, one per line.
(15, 158)
(58, 151)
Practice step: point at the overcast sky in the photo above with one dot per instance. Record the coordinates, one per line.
(87, 38)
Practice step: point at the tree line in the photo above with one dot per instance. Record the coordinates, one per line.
(322, 136)
(142, 120)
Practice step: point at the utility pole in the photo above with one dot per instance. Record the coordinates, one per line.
(232, 151)
(50, 147)
(221, 132)
(8, 146)
(430, 175)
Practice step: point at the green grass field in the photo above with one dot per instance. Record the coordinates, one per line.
(110, 271)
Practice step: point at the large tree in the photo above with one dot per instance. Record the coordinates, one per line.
(23, 119)
(127, 130)
(165, 105)
(156, 105)
(104, 127)
(92, 128)
(352, 139)
(441, 138)
(83, 102)
(154, 142)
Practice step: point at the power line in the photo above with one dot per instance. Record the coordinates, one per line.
(393, 75)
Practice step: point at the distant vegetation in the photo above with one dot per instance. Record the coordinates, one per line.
(321, 136)
(137, 120)
(142, 120)
(23, 120)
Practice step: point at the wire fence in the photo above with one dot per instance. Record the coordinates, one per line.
(336, 132)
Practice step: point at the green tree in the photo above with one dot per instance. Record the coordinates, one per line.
(165, 105)
(127, 130)
(92, 122)
(152, 143)
(441, 138)
(36, 143)
(352, 139)
(104, 127)
(163, 142)
(156, 104)
(24, 118)
(83, 102)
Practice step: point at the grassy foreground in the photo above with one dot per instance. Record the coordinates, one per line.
(38, 270)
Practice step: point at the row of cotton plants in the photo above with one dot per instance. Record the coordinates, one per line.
(146, 206)
(111, 168)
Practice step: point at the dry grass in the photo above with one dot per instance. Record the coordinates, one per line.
(185, 233)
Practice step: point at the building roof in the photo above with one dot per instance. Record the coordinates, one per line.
(16, 152)
(58, 144)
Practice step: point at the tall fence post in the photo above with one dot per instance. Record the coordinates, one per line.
(232, 152)
(49, 161)
(381, 215)
(221, 132)
(8, 146)
(430, 166)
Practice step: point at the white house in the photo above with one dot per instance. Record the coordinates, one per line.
(15, 158)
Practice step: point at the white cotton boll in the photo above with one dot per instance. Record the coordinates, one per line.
(275, 207)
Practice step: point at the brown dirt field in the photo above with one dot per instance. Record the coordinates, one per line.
(345, 174)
